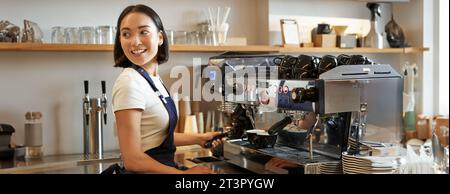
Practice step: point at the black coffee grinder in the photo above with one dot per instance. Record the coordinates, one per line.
(6, 152)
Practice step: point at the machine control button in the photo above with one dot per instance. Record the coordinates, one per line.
(285, 89)
(296, 94)
(300, 95)
(264, 97)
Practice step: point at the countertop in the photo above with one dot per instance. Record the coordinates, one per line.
(78, 164)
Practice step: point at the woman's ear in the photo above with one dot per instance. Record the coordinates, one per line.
(161, 38)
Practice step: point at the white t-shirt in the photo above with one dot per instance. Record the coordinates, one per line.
(132, 91)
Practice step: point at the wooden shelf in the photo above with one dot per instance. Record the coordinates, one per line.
(36, 47)
(415, 50)
(353, 50)
(55, 47)
(195, 48)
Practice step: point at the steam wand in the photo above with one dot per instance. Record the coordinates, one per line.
(309, 136)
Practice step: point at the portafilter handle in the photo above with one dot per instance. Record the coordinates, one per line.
(208, 143)
(275, 128)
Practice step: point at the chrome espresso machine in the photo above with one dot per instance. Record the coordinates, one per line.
(324, 106)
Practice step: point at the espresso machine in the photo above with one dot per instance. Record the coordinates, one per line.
(349, 98)
(94, 118)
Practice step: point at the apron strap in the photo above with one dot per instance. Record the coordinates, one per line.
(115, 168)
(146, 76)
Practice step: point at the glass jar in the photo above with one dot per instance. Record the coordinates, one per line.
(87, 35)
(170, 38)
(105, 34)
(206, 38)
(180, 37)
(443, 136)
(58, 35)
(423, 127)
(72, 35)
(194, 38)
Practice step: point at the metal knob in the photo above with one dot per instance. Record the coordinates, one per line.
(264, 98)
(296, 94)
(300, 95)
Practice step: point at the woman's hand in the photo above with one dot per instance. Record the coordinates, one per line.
(280, 163)
(208, 136)
(308, 122)
(198, 170)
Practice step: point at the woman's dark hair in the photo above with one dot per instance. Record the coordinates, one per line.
(162, 56)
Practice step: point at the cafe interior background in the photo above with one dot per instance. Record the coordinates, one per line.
(50, 80)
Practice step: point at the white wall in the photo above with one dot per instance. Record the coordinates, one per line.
(176, 14)
(442, 31)
(309, 13)
(53, 84)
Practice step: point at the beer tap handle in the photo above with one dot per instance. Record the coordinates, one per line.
(86, 87)
(103, 87)
(86, 101)
(104, 102)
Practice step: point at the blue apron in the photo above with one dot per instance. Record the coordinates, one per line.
(165, 152)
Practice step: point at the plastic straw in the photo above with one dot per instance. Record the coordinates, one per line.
(225, 17)
(207, 16)
(218, 16)
(210, 16)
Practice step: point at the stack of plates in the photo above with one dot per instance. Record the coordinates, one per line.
(375, 148)
(331, 168)
(356, 164)
(362, 146)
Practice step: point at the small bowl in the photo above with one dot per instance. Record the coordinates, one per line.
(19, 152)
(251, 134)
(293, 138)
(265, 140)
(340, 29)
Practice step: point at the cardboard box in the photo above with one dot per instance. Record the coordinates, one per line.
(325, 40)
(236, 41)
(307, 44)
(346, 41)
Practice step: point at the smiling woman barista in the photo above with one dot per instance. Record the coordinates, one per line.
(145, 113)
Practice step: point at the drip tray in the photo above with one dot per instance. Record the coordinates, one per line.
(205, 159)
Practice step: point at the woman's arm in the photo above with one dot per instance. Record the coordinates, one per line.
(182, 139)
(128, 129)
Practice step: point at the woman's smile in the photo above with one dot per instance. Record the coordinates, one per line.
(138, 52)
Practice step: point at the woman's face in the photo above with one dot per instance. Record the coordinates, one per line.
(140, 38)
